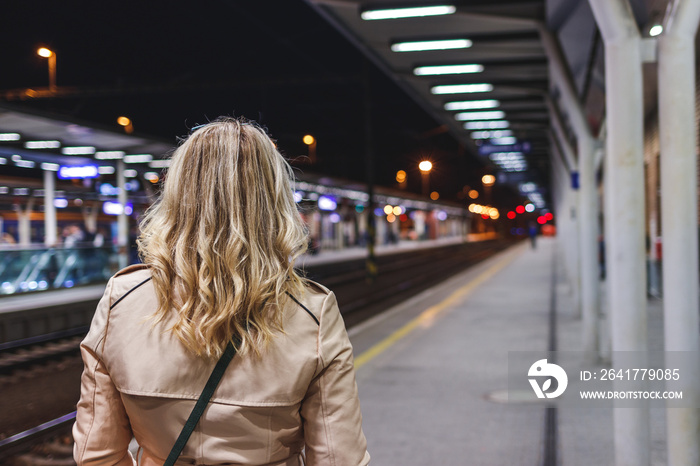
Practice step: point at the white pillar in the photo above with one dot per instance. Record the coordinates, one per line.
(679, 218)
(122, 220)
(49, 208)
(24, 225)
(624, 212)
(587, 218)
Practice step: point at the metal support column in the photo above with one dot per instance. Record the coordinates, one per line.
(624, 212)
(679, 217)
(49, 208)
(122, 220)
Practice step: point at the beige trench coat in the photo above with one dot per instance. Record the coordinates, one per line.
(140, 381)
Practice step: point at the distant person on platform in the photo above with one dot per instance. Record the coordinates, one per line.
(218, 277)
(532, 232)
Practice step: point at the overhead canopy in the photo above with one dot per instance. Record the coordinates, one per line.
(498, 41)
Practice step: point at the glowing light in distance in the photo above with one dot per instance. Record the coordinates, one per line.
(548, 216)
(494, 214)
(151, 176)
(500, 124)
(105, 170)
(491, 134)
(44, 52)
(420, 46)
(123, 121)
(510, 215)
(3, 161)
(391, 218)
(327, 203)
(378, 212)
(497, 115)
(334, 217)
(447, 69)
(397, 210)
(308, 139)
(51, 167)
(530, 207)
(472, 104)
(138, 158)
(488, 180)
(504, 141)
(425, 166)
(656, 30)
(77, 171)
(434, 195)
(388, 209)
(42, 144)
(78, 150)
(60, 203)
(298, 196)
(400, 176)
(520, 209)
(9, 136)
(414, 12)
(473, 194)
(541, 220)
(4, 190)
(115, 208)
(461, 88)
(131, 173)
(109, 155)
(442, 215)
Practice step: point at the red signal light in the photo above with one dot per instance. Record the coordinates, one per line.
(511, 215)
(541, 220)
(520, 209)
(548, 216)
(485, 216)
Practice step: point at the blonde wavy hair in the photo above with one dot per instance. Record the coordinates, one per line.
(222, 239)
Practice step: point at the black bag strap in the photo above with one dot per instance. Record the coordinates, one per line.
(201, 404)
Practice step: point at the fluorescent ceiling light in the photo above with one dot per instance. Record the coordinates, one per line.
(3, 161)
(105, 170)
(51, 167)
(423, 45)
(42, 144)
(109, 154)
(461, 88)
(448, 69)
(24, 163)
(163, 163)
(471, 104)
(138, 158)
(491, 134)
(486, 124)
(497, 115)
(9, 136)
(504, 141)
(131, 173)
(78, 150)
(656, 30)
(415, 12)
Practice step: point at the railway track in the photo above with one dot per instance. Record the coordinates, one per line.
(399, 277)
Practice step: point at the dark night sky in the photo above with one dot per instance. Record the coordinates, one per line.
(172, 65)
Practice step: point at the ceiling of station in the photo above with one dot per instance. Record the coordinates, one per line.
(503, 42)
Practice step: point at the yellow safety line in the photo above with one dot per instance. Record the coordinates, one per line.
(429, 314)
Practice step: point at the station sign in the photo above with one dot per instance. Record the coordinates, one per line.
(70, 172)
(486, 149)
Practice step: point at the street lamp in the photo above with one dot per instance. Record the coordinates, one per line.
(126, 123)
(46, 53)
(425, 166)
(488, 181)
(310, 141)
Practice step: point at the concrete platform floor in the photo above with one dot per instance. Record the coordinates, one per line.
(428, 368)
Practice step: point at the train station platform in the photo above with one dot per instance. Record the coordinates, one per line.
(433, 371)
